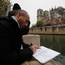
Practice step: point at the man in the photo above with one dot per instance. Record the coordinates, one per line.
(13, 51)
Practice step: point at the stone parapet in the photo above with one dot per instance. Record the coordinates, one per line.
(34, 39)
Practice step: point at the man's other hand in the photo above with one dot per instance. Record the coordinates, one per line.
(34, 47)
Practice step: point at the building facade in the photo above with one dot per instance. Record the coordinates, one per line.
(52, 17)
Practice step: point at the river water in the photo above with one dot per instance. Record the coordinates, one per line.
(56, 42)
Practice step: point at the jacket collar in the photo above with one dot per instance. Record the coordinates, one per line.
(16, 20)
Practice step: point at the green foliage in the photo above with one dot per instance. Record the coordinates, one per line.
(39, 23)
(3, 6)
(45, 13)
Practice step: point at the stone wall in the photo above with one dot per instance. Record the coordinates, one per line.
(47, 30)
(34, 39)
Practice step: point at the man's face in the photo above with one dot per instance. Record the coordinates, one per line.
(24, 22)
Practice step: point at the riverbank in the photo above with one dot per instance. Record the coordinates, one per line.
(47, 33)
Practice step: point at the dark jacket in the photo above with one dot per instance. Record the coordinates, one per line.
(10, 43)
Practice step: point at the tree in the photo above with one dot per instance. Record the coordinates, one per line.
(4, 6)
(39, 24)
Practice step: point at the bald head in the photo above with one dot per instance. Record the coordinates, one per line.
(23, 14)
(22, 17)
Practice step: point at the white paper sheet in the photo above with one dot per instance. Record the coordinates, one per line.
(44, 54)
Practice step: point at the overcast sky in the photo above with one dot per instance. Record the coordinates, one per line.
(31, 6)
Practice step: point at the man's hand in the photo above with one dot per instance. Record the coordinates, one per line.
(34, 47)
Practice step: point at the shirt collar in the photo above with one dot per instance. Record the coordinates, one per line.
(16, 20)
